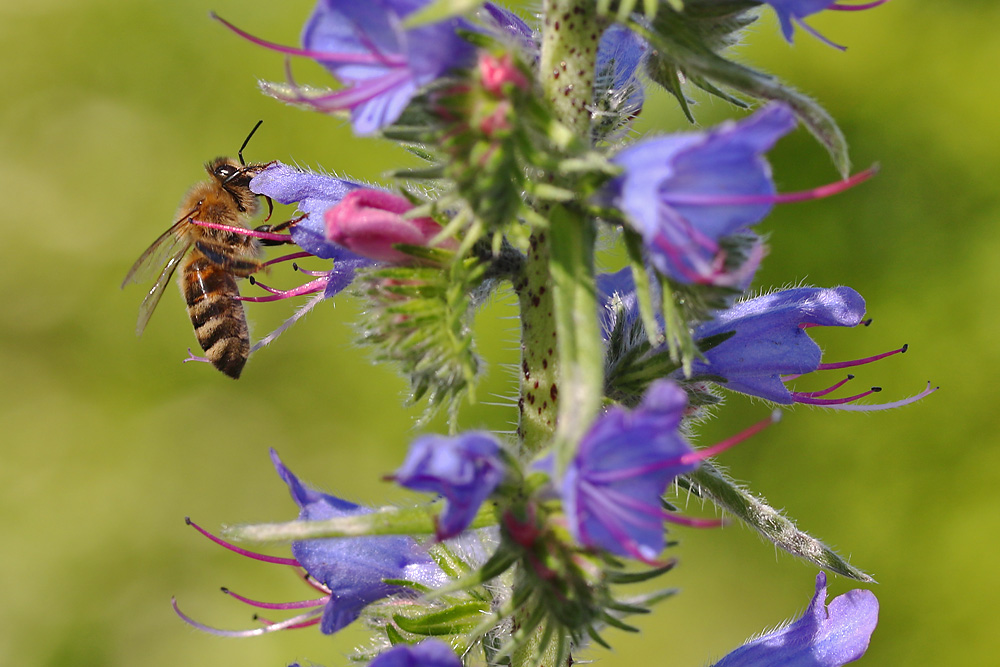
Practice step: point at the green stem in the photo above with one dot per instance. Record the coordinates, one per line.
(539, 363)
(561, 367)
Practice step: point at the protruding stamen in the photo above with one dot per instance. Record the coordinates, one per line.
(709, 199)
(308, 272)
(243, 231)
(256, 632)
(861, 362)
(853, 8)
(285, 258)
(301, 604)
(243, 552)
(294, 626)
(824, 392)
(323, 56)
(887, 406)
(732, 441)
(299, 314)
(310, 287)
(693, 522)
(801, 397)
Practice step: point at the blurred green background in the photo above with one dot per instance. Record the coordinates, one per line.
(109, 109)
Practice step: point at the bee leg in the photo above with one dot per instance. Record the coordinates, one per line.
(277, 228)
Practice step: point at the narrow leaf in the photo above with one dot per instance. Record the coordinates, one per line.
(769, 522)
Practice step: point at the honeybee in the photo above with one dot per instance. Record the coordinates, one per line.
(216, 259)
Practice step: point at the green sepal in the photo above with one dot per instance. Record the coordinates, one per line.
(385, 521)
(609, 619)
(456, 619)
(620, 577)
(501, 561)
(420, 317)
(392, 634)
(406, 583)
(643, 286)
(709, 482)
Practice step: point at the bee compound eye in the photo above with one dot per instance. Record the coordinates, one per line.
(225, 171)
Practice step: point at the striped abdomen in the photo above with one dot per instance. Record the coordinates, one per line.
(218, 318)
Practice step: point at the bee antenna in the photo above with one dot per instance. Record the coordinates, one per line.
(247, 141)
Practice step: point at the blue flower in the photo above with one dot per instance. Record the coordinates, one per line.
(791, 12)
(769, 346)
(769, 339)
(465, 469)
(618, 92)
(314, 194)
(685, 192)
(825, 636)
(765, 343)
(354, 569)
(611, 489)
(350, 573)
(428, 653)
(382, 64)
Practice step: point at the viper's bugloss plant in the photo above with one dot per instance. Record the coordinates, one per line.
(524, 543)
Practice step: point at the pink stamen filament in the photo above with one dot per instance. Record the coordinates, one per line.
(294, 622)
(731, 441)
(302, 604)
(310, 287)
(696, 199)
(852, 8)
(887, 406)
(286, 258)
(824, 392)
(242, 552)
(243, 231)
(315, 274)
(805, 398)
(860, 362)
(285, 626)
(322, 56)
(300, 313)
(348, 98)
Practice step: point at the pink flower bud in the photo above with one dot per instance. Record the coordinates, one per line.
(495, 71)
(371, 222)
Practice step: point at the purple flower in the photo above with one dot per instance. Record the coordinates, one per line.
(611, 489)
(769, 346)
(825, 636)
(382, 64)
(350, 573)
(428, 653)
(465, 469)
(510, 25)
(685, 192)
(618, 92)
(354, 569)
(314, 194)
(791, 12)
(770, 338)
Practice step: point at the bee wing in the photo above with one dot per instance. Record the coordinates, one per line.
(156, 291)
(163, 255)
(164, 248)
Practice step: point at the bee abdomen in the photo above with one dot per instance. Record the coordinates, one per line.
(220, 324)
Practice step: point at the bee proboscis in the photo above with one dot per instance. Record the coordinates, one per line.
(216, 259)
